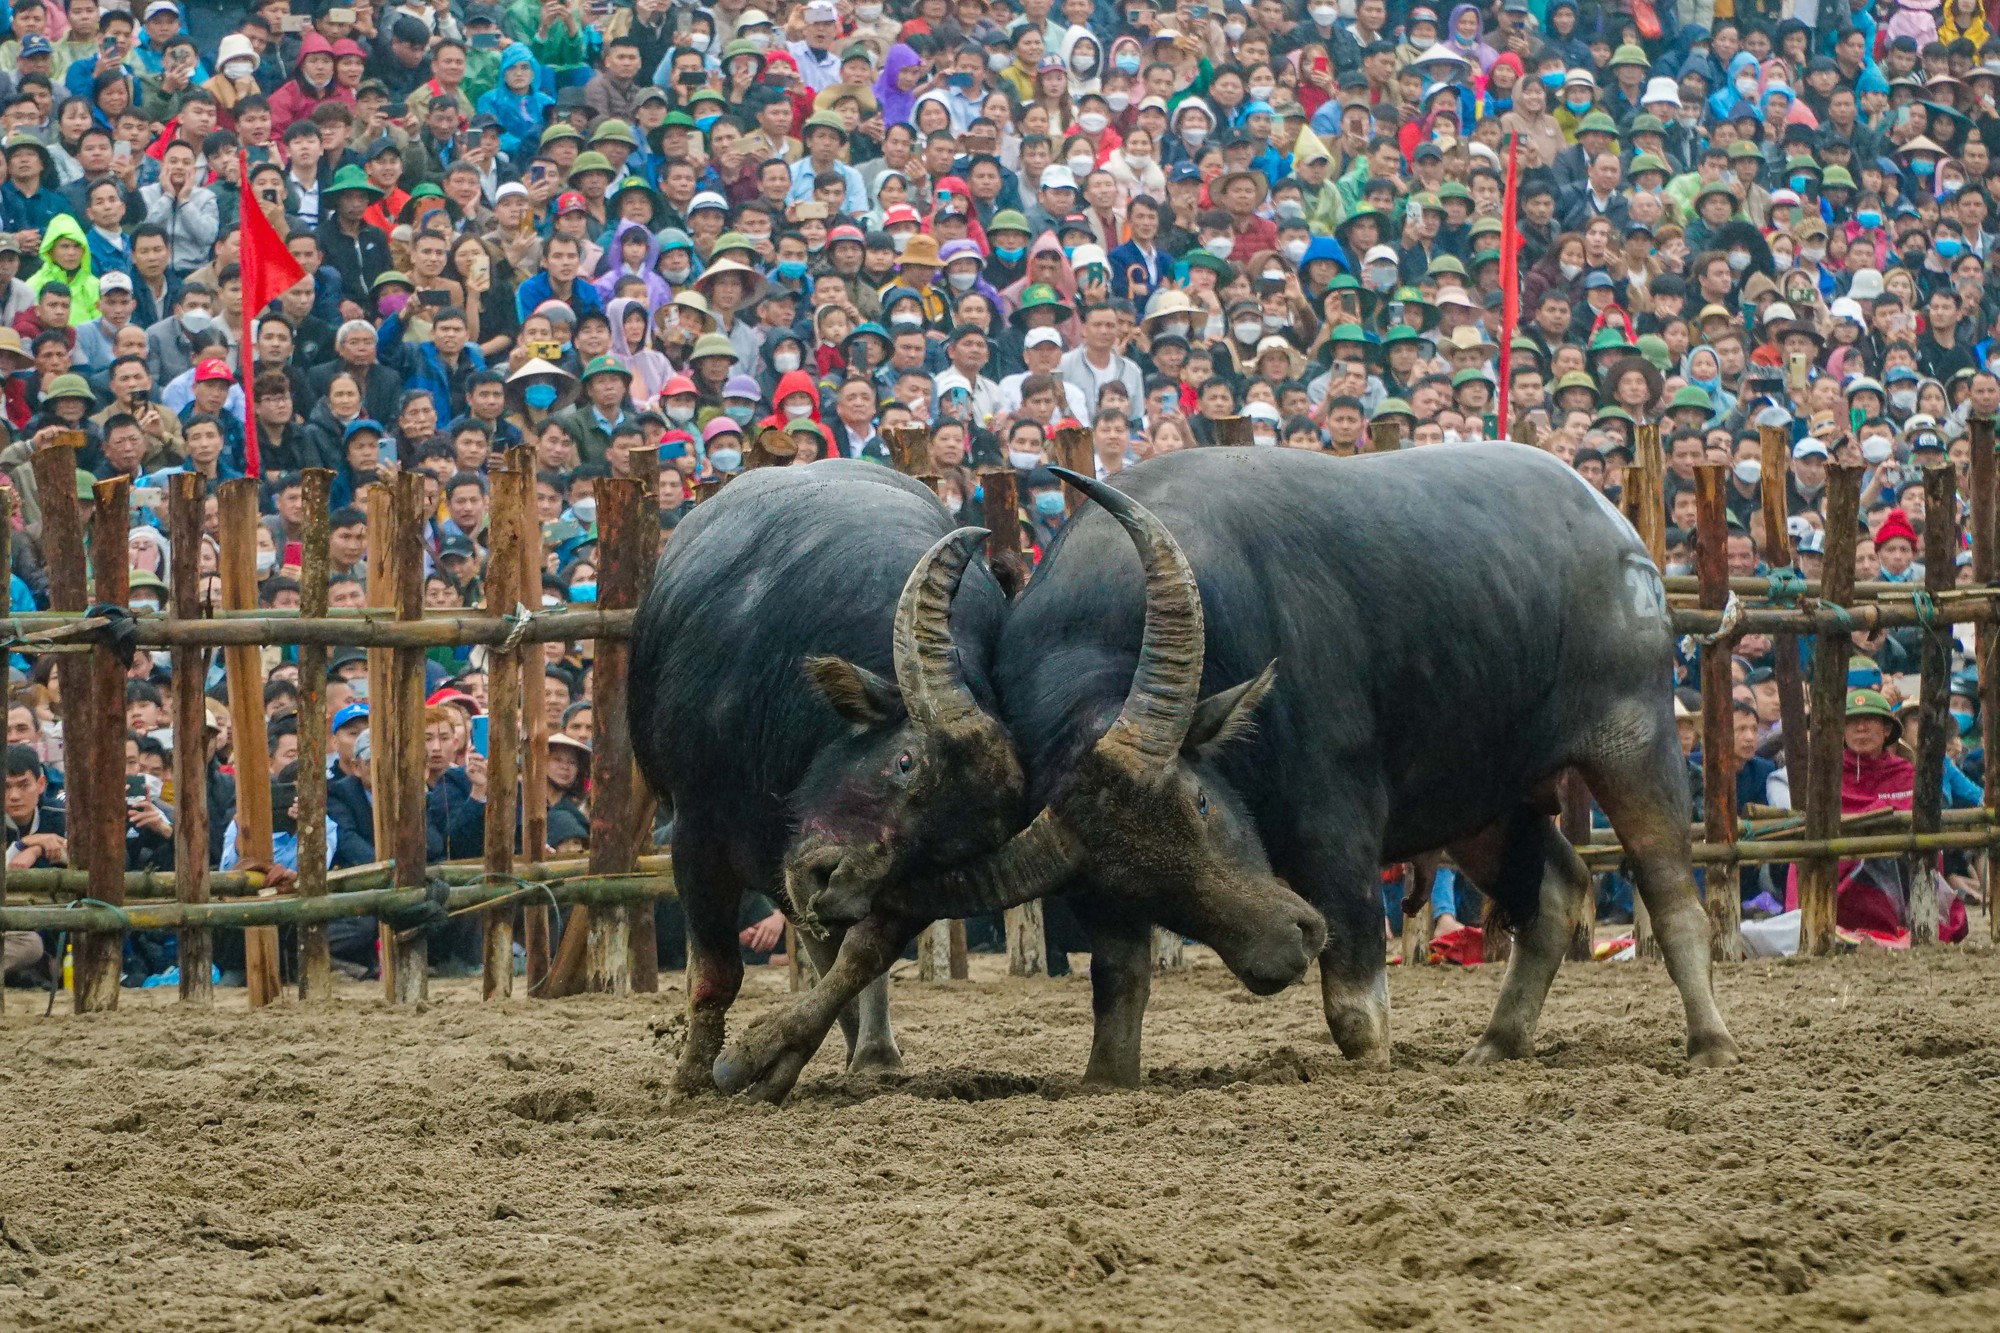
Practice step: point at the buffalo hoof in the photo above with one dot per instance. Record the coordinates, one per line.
(1488, 1051)
(875, 1058)
(1716, 1053)
(762, 1064)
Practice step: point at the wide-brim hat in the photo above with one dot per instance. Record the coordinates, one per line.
(1871, 703)
(1040, 297)
(1656, 383)
(351, 178)
(1220, 185)
(535, 371)
(725, 266)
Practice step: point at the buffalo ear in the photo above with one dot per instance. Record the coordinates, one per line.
(856, 693)
(1227, 716)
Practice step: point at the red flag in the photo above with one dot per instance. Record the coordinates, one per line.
(268, 272)
(1510, 279)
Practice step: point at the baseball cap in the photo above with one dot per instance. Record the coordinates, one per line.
(354, 712)
(1043, 337)
(707, 199)
(572, 201)
(1809, 448)
(34, 44)
(822, 11)
(159, 7)
(114, 282)
(1057, 178)
(212, 369)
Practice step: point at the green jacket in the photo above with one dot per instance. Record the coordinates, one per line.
(81, 281)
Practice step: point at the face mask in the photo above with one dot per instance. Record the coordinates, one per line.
(1214, 329)
(585, 510)
(1869, 219)
(1048, 503)
(1233, 30)
(1812, 254)
(706, 123)
(1294, 249)
(196, 320)
(1125, 63)
(1876, 449)
(791, 270)
(868, 13)
(1553, 80)
(1274, 322)
(1247, 332)
(798, 410)
(680, 416)
(393, 303)
(1749, 472)
(998, 61)
(1139, 161)
(541, 397)
(1079, 167)
(1903, 400)
(740, 413)
(1092, 122)
(1382, 278)
(1221, 246)
(1747, 87)
(1923, 166)
(239, 69)
(905, 323)
(901, 240)
(1174, 328)
(1194, 136)
(1947, 247)
(785, 361)
(1325, 15)
(725, 460)
(266, 561)
(1965, 722)
(677, 276)
(1261, 92)
(698, 41)
(1570, 271)
(1264, 439)
(1800, 182)
(1780, 260)
(1022, 460)
(962, 282)
(583, 592)
(1576, 105)
(1010, 254)
(1739, 260)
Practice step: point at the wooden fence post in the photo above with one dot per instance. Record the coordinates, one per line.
(534, 723)
(1385, 437)
(1718, 717)
(1934, 729)
(1777, 452)
(6, 613)
(237, 510)
(384, 716)
(54, 466)
(1234, 432)
(1980, 477)
(1418, 879)
(641, 927)
(608, 955)
(99, 956)
(315, 569)
(190, 672)
(1819, 875)
(503, 724)
(408, 836)
(1027, 947)
(1072, 450)
(1645, 498)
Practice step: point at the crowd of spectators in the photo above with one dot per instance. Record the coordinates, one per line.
(733, 232)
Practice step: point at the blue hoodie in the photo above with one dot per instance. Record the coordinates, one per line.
(520, 115)
(1722, 103)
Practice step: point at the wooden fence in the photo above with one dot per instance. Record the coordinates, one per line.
(608, 941)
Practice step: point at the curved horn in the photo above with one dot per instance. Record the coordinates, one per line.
(932, 691)
(1167, 684)
(1030, 864)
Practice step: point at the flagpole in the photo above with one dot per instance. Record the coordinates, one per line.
(1510, 285)
(253, 463)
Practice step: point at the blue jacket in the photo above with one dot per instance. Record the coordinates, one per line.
(422, 368)
(18, 212)
(583, 296)
(1125, 260)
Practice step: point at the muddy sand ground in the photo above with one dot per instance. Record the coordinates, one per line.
(520, 1167)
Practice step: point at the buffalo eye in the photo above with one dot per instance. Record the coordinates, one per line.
(1201, 803)
(904, 763)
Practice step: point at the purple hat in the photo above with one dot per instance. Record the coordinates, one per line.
(723, 425)
(742, 386)
(963, 247)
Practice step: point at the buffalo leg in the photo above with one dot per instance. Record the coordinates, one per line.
(1354, 966)
(766, 1059)
(710, 895)
(1645, 797)
(871, 1042)
(1539, 947)
(1121, 981)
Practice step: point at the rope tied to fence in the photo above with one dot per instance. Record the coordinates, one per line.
(1731, 627)
(114, 626)
(517, 626)
(1786, 587)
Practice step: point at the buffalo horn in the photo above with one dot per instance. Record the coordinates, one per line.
(1167, 684)
(932, 691)
(1027, 867)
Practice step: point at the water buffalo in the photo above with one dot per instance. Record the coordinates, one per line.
(1401, 652)
(815, 720)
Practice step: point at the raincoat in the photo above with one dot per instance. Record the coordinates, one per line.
(650, 370)
(297, 99)
(658, 292)
(1476, 49)
(521, 115)
(81, 281)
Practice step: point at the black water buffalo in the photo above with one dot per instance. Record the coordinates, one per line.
(1388, 654)
(801, 701)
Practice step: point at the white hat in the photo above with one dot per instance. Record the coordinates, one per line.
(707, 199)
(114, 282)
(1382, 254)
(1779, 310)
(1262, 411)
(1582, 76)
(1848, 308)
(1442, 55)
(1056, 178)
(752, 18)
(1809, 448)
(822, 11)
(1661, 89)
(1083, 256)
(1866, 285)
(1782, 197)
(234, 47)
(510, 189)
(162, 7)
(1042, 338)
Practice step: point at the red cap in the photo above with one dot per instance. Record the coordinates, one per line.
(451, 694)
(846, 232)
(678, 384)
(899, 214)
(212, 369)
(570, 201)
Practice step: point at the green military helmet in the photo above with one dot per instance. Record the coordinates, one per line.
(1613, 413)
(615, 131)
(559, 131)
(1744, 148)
(1469, 374)
(1646, 123)
(1629, 54)
(1688, 396)
(1654, 348)
(1599, 122)
(1801, 162)
(1648, 162)
(1399, 333)
(1453, 190)
(1610, 339)
(1394, 407)
(1576, 379)
(588, 161)
(1837, 178)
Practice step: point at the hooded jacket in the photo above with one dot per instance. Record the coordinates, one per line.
(1476, 49)
(81, 281)
(298, 97)
(658, 292)
(520, 115)
(650, 369)
(1722, 103)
